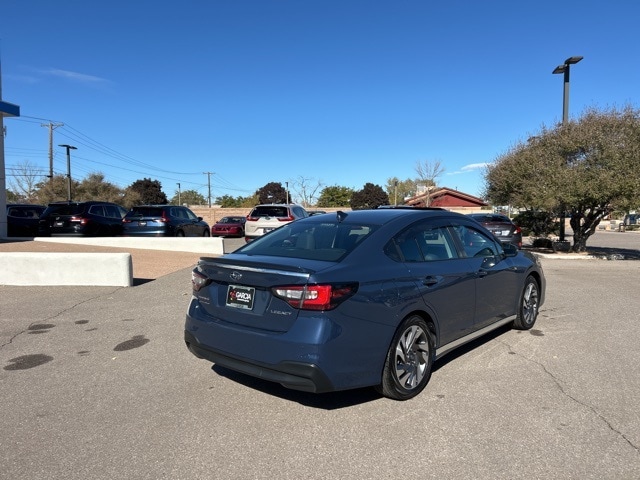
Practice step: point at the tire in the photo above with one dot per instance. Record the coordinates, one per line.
(528, 305)
(206, 233)
(407, 368)
(179, 233)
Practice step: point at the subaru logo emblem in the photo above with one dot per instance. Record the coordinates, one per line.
(236, 276)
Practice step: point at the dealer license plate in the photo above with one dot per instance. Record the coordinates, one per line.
(240, 297)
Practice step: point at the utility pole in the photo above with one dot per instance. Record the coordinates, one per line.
(208, 174)
(51, 127)
(179, 202)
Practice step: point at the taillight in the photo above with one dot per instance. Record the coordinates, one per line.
(315, 297)
(164, 218)
(286, 219)
(81, 220)
(199, 280)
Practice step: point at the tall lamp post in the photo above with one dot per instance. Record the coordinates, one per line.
(68, 147)
(565, 68)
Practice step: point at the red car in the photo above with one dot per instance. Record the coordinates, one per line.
(229, 227)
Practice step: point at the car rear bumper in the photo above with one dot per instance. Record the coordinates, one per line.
(306, 377)
(317, 353)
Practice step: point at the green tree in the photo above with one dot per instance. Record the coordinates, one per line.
(371, 196)
(399, 189)
(227, 201)
(55, 189)
(94, 187)
(149, 192)
(272, 192)
(335, 196)
(13, 197)
(587, 168)
(190, 197)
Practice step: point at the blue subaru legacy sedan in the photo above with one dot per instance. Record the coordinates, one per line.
(361, 298)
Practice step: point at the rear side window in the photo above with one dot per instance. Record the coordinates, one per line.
(97, 210)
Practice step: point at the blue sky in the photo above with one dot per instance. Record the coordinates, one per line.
(339, 92)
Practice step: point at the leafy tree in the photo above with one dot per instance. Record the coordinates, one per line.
(588, 168)
(335, 196)
(190, 197)
(12, 197)
(55, 189)
(94, 187)
(272, 192)
(399, 189)
(371, 196)
(227, 201)
(149, 192)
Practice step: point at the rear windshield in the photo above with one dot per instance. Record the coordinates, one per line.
(72, 209)
(145, 212)
(269, 211)
(328, 241)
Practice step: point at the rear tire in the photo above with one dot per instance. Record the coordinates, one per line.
(407, 368)
(528, 306)
(179, 233)
(206, 233)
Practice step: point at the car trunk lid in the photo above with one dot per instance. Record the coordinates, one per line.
(240, 292)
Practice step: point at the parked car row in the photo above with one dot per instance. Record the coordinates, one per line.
(97, 218)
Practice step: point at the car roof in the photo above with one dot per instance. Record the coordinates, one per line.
(384, 215)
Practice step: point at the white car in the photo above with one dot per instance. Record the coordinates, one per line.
(264, 218)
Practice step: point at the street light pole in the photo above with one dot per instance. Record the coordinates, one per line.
(68, 147)
(565, 69)
(179, 202)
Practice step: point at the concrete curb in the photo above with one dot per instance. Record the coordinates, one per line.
(213, 245)
(55, 268)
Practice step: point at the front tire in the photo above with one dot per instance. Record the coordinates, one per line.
(528, 306)
(407, 368)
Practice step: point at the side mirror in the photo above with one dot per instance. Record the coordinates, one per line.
(510, 250)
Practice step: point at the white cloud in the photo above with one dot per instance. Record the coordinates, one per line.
(474, 166)
(469, 168)
(80, 77)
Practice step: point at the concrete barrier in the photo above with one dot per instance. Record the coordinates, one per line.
(208, 245)
(87, 269)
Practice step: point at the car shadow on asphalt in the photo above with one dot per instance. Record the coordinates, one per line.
(347, 398)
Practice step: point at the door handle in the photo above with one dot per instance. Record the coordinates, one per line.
(430, 281)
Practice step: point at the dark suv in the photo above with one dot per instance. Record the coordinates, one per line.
(82, 219)
(22, 219)
(164, 221)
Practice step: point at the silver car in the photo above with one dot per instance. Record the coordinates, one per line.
(265, 218)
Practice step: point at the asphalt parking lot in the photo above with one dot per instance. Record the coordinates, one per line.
(96, 384)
